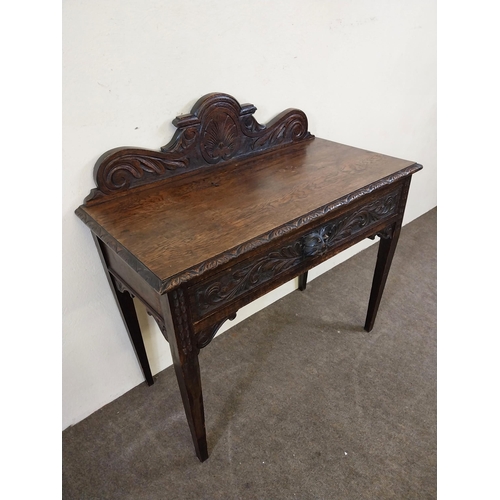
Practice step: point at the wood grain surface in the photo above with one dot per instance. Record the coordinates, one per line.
(172, 226)
(224, 213)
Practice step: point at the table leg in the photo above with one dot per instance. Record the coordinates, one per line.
(303, 281)
(128, 313)
(386, 249)
(189, 380)
(187, 369)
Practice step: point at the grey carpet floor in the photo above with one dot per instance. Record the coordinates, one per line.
(300, 401)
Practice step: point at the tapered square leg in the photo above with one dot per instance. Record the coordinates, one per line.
(128, 313)
(187, 371)
(184, 351)
(386, 249)
(303, 281)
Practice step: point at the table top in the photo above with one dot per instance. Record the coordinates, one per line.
(177, 224)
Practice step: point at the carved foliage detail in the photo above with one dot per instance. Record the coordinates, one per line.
(121, 171)
(320, 241)
(217, 129)
(122, 168)
(199, 270)
(220, 138)
(249, 275)
(288, 127)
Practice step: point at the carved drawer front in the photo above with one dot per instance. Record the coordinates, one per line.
(311, 246)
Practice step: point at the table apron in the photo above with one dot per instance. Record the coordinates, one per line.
(224, 293)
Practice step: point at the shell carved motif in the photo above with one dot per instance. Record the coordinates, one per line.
(220, 138)
(218, 129)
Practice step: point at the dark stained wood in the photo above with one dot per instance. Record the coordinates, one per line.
(204, 337)
(275, 264)
(227, 211)
(218, 129)
(387, 246)
(129, 278)
(386, 249)
(239, 203)
(187, 369)
(126, 306)
(302, 281)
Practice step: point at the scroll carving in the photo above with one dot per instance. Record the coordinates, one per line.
(218, 129)
(206, 336)
(249, 275)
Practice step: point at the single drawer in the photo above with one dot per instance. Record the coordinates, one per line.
(291, 257)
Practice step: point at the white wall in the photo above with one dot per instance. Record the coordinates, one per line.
(364, 72)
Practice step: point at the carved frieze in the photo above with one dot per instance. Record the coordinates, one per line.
(246, 277)
(251, 274)
(196, 271)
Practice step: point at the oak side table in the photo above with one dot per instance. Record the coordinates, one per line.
(228, 210)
